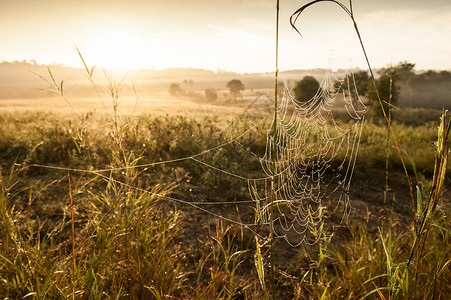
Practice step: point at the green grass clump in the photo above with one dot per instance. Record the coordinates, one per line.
(123, 246)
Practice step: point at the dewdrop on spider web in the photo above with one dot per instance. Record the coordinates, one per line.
(311, 154)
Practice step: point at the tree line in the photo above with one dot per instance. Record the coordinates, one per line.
(235, 87)
(397, 85)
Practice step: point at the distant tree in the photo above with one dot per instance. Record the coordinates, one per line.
(432, 77)
(388, 91)
(175, 90)
(235, 86)
(403, 71)
(361, 79)
(188, 83)
(211, 94)
(427, 89)
(306, 89)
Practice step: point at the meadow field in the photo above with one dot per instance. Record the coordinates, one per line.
(148, 198)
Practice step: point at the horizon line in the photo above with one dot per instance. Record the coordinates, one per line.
(33, 62)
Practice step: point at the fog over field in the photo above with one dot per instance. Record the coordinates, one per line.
(429, 89)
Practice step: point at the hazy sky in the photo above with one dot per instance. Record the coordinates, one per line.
(235, 35)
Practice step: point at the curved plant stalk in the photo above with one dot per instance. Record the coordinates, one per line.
(58, 88)
(422, 212)
(349, 11)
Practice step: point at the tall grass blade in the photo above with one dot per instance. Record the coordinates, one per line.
(324, 295)
(419, 202)
(271, 214)
(259, 265)
(73, 239)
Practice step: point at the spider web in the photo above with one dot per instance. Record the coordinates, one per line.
(309, 161)
(307, 165)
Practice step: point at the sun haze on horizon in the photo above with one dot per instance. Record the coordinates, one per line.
(234, 35)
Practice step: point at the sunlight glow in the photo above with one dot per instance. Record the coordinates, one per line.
(121, 48)
(231, 35)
